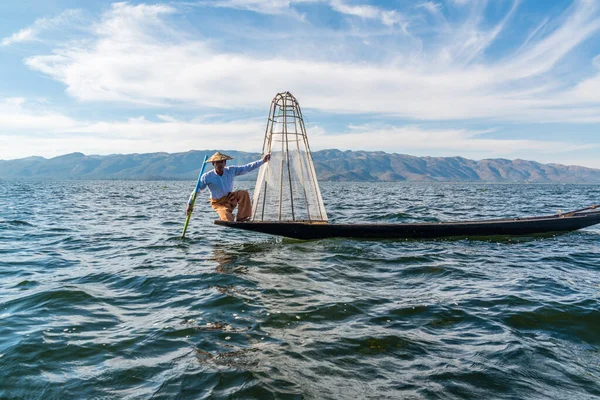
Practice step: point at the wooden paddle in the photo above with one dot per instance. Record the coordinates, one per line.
(189, 215)
(571, 213)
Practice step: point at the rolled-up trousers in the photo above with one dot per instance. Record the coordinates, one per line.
(226, 204)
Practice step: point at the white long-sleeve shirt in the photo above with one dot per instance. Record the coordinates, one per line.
(221, 185)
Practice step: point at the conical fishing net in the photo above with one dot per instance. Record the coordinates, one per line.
(286, 187)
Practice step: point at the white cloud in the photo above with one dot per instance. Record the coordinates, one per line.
(581, 22)
(413, 139)
(259, 6)
(23, 35)
(276, 7)
(387, 17)
(470, 40)
(596, 61)
(16, 116)
(137, 56)
(431, 6)
(29, 128)
(587, 91)
(166, 118)
(128, 23)
(40, 26)
(177, 135)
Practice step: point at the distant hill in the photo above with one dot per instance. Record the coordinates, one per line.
(331, 165)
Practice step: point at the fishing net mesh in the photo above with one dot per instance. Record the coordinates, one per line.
(286, 187)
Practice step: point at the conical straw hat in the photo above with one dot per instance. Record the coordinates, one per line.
(218, 157)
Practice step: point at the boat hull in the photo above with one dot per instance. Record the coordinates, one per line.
(504, 227)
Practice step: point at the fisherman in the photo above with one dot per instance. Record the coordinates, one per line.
(220, 185)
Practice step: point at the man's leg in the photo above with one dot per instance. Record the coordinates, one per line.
(223, 208)
(244, 205)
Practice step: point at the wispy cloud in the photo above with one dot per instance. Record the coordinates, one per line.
(470, 40)
(446, 142)
(50, 133)
(387, 17)
(44, 132)
(431, 6)
(259, 6)
(23, 35)
(17, 116)
(40, 26)
(461, 2)
(275, 7)
(538, 57)
(137, 56)
(443, 65)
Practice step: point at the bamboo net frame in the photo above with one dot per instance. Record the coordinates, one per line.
(287, 188)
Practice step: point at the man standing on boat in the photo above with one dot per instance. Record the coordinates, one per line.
(220, 185)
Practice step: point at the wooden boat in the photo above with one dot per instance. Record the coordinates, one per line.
(287, 199)
(562, 222)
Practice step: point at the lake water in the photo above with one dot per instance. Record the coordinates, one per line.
(99, 298)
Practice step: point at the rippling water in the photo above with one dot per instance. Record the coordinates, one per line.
(99, 298)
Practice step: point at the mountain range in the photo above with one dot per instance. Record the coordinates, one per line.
(331, 165)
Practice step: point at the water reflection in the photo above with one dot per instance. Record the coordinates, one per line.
(227, 262)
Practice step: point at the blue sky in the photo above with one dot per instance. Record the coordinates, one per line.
(472, 78)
